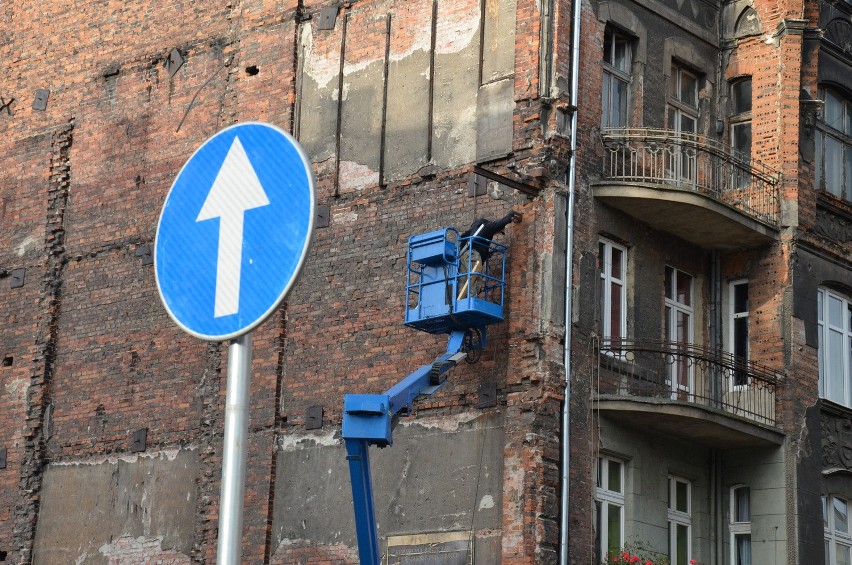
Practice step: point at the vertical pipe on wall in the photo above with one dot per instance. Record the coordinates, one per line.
(431, 117)
(569, 277)
(339, 132)
(385, 82)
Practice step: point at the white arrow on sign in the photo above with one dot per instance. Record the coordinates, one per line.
(235, 190)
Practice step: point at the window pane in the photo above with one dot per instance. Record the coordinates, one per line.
(741, 138)
(741, 96)
(834, 372)
(818, 158)
(614, 483)
(606, 104)
(684, 288)
(619, 104)
(741, 505)
(835, 311)
(617, 258)
(824, 513)
(740, 344)
(598, 531)
(688, 89)
(743, 549)
(681, 496)
(669, 282)
(842, 554)
(682, 327)
(841, 517)
(621, 54)
(833, 111)
(682, 555)
(615, 314)
(741, 298)
(614, 527)
(847, 180)
(687, 123)
(833, 166)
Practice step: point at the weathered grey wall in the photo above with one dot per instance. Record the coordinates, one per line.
(131, 506)
(394, 88)
(440, 475)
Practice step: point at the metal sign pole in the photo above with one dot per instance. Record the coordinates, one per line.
(235, 451)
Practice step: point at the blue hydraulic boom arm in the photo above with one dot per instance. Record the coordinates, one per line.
(450, 290)
(367, 420)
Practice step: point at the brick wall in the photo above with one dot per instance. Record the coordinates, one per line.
(93, 356)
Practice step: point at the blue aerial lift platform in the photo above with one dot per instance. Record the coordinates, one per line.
(450, 289)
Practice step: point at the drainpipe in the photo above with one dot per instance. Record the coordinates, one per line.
(569, 277)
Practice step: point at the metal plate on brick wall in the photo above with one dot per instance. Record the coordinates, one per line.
(41, 96)
(313, 418)
(323, 214)
(174, 62)
(17, 278)
(146, 254)
(139, 441)
(328, 17)
(487, 395)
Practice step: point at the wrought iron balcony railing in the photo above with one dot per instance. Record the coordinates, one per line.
(689, 374)
(692, 163)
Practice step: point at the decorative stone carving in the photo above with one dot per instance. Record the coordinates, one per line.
(833, 226)
(836, 441)
(839, 32)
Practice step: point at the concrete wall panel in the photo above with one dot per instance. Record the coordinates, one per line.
(440, 475)
(133, 506)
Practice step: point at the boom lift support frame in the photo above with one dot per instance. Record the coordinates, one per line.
(449, 291)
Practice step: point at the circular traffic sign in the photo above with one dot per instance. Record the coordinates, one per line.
(234, 231)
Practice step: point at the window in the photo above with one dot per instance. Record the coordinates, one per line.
(618, 58)
(740, 128)
(683, 118)
(835, 340)
(680, 521)
(741, 117)
(609, 507)
(835, 523)
(740, 526)
(678, 328)
(612, 262)
(834, 144)
(738, 330)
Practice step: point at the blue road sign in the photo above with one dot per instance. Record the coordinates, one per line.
(234, 231)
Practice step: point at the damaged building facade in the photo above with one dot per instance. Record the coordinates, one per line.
(699, 403)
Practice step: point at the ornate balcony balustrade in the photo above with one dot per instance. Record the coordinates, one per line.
(687, 374)
(692, 163)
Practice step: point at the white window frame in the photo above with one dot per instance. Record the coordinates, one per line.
(738, 528)
(840, 134)
(614, 75)
(829, 383)
(607, 498)
(608, 281)
(679, 518)
(739, 120)
(733, 316)
(832, 536)
(683, 165)
(672, 308)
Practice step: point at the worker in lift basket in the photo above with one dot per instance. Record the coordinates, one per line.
(487, 230)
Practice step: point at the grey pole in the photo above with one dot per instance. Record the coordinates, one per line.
(235, 451)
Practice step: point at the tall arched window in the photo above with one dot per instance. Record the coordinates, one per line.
(834, 144)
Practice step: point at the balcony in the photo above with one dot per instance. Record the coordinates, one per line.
(691, 186)
(701, 395)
